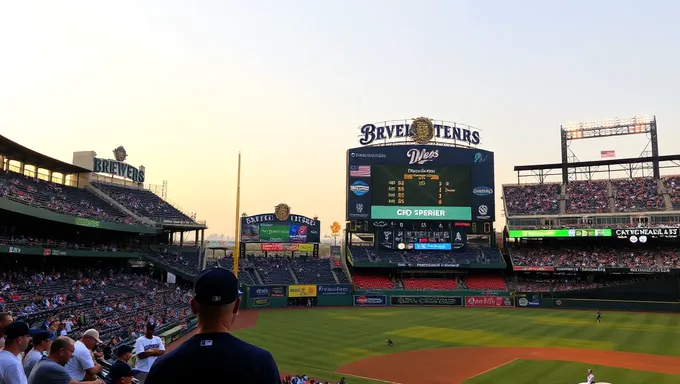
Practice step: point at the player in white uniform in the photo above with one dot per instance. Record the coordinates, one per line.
(590, 377)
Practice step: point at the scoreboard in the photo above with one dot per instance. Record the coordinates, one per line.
(421, 185)
(420, 182)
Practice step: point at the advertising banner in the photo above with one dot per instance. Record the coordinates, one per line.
(260, 303)
(280, 247)
(257, 292)
(280, 226)
(540, 233)
(370, 301)
(639, 233)
(533, 268)
(488, 301)
(525, 300)
(334, 290)
(279, 291)
(302, 291)
(450, 301)
(305, 247)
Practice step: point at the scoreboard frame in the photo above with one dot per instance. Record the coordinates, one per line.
(359, 185)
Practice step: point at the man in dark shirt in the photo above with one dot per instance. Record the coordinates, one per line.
(214, 354)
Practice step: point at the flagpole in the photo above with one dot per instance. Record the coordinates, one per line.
(238, 216)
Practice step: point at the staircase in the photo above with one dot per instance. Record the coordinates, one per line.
(114, 203)
(612, 197)
(663, 191)
(294, 275)
(258, 278)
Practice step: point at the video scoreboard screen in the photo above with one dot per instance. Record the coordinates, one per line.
(410, 182)
(421, 185)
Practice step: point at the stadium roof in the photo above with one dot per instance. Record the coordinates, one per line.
(596, 163)
(17, 152)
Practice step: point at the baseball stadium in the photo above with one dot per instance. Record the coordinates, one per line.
(421, 283)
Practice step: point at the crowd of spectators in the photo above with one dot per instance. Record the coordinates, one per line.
(67, 302)
(587, 197)
(636, 195)
(144, 202)
(59, 198)
(259, 270)
(590, 196)
(532, 199)
(567, 282)
(594, 257)
(470, 255)
(30, 241)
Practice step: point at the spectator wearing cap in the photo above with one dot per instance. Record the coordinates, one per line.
(214, 353)
(148, 348)
(41, 347)
(121, 374)
(82, 366)
(50, 369)
(17, 337)
(5, 319)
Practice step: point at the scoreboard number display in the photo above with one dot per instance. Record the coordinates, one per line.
(416, 186)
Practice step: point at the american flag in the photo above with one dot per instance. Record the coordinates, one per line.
(360, 171)
(608, 154)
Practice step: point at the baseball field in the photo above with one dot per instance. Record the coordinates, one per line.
(467, 345)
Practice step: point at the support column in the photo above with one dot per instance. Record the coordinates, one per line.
(196, 239)
(181, 239)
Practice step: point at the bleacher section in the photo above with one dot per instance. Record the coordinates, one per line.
(430, 284)
(145, 203)
(59, 198)
(469, 256)
(642, 194)
(372, 282)
(485, 283)
(539, 255)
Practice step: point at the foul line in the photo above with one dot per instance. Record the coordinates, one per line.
(492, 369)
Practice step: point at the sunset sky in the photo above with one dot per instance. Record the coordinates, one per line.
(186, 85)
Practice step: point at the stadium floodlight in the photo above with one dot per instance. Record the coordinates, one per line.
(609, 127)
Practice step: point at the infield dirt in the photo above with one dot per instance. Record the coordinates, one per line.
(455, 365)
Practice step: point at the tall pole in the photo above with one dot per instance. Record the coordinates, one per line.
(238, 216)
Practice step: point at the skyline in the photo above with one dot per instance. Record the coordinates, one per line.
(186, 87)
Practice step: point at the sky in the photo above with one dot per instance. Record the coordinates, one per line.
(185, 86)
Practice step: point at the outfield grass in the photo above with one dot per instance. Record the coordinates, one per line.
(316, 342)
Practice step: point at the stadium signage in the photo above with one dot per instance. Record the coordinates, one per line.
(260, 303)
(333, 290)
(488, 301)
(533, 268)
(279, 291)
(258, 292)
(482, 191)
(427, 300)
(270, 217)
(653, 232)
(541, 233)
(370, 301)
(650, 270)
(118, 167)
(421, 131)
(422, 156)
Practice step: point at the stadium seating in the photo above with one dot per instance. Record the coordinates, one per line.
(672, 185)
(430, 284)
(587, 197)
(532, 199)
(116, 303)
(363, 281)
(636, 195)
(145, 203)
(593, 256)
(485, 283)
(470, 255)
(59, 198)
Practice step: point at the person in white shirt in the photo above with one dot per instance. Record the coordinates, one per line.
(17, 338)
(147, 349)
(590, 377)
(5, 319)
(41, 347)
(82, 364)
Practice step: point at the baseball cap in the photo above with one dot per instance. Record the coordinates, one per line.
(123, 349)
(16, 329)
(150, 326)
(216, 286)
(93, 333)
(40, 335)
(118, 371)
